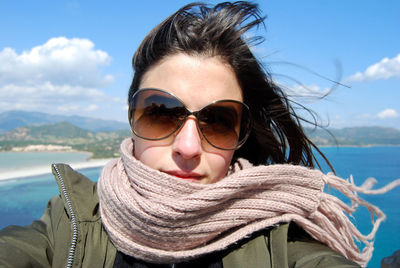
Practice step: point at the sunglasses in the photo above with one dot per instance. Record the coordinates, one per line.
(155, 114)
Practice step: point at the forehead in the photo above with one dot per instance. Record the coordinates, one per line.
(196, 80)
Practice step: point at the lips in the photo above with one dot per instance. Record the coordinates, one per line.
(185, 175)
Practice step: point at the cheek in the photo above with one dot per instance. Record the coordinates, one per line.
(146, 152)
(219, 164)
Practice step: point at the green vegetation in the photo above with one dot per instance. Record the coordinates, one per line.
(100, 144)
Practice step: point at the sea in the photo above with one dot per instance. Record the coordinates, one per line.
(23, 200)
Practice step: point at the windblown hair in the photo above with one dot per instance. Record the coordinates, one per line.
(219, 31)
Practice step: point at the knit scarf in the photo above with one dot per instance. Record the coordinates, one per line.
(163, 219)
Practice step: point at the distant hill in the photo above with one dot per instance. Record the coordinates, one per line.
(101, 144)
(355, 136)
(49, 132)
(13, 119)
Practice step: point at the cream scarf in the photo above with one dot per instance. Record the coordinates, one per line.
(159, 218)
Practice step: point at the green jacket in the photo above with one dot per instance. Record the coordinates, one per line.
(70, 234)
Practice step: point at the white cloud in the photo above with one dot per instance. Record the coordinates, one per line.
(304, 90)
(385, 69)
(48, 91)
(388, 113)
(76, 108)
(92, 107)
(62, 75)
(309, 93)
(58, 61)
(68, 108)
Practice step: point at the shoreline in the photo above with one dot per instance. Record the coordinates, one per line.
(26, 173)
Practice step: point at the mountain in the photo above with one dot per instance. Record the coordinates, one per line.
(101, 144)
(14, 119)
(354, 136)
(59, 131)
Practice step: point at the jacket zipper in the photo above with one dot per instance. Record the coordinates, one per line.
(71, 253)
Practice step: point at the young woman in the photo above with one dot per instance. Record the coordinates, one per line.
(218, 172)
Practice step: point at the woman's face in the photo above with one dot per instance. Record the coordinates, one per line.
(197, 81)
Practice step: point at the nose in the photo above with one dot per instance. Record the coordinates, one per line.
(187, 142)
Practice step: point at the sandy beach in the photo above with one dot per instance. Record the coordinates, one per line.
(46, 169)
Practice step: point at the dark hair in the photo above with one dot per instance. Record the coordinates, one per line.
(199, 30)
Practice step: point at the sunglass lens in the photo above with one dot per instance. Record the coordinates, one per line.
(221, 123)
(156, 114)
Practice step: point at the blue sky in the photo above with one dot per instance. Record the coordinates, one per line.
(74, 57)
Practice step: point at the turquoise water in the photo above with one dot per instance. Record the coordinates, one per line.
(382, 163)
(17, 160)
(21, 201)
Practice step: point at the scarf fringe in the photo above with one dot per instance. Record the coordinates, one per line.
(331, 221)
